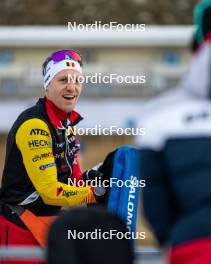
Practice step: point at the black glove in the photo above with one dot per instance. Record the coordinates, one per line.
(93, 173)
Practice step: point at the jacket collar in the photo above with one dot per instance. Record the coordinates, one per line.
(56, 115)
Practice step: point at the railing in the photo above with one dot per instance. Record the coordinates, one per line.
(142, 254)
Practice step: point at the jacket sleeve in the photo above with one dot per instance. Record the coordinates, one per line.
(34, 141)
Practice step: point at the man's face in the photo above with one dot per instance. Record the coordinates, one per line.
(64, 89)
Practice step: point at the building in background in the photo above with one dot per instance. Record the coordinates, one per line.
(161, 54)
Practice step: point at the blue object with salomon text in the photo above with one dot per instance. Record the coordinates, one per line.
(123, 200)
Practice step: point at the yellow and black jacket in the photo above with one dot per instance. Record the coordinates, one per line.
(40, 157)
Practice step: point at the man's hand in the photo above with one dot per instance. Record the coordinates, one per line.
(101, 172)
(93, 173)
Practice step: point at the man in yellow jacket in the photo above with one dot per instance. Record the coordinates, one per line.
(41, 156)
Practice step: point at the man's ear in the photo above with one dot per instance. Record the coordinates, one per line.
(46, 91)
(47, 88)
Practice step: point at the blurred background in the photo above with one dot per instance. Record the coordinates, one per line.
(30, 30)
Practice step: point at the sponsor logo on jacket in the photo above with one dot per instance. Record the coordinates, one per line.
(61, 191)
(46, 166)
(59, 155)
(60, 145)
(39, 144)
(42, 156)
(38, 131)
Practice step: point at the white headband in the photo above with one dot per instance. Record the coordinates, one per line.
(53, 68)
